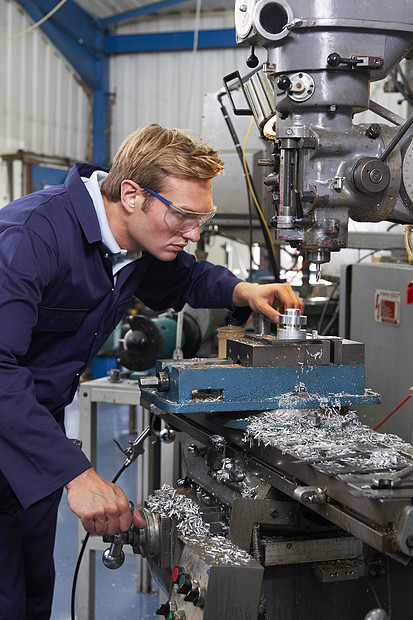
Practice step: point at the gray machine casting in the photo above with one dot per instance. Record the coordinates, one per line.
(321, 58)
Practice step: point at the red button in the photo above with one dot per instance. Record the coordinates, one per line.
(409, 293)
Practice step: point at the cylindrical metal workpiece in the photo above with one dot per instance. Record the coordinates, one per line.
(289, 325)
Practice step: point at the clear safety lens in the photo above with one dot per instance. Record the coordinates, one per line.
(183, 221)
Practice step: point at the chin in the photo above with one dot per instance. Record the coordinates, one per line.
(165, 255)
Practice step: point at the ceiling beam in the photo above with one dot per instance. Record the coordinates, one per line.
(75, 33)
(169, 41)
(144, 10)
(84, 43)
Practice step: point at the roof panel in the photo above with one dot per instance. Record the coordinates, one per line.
(102, 9)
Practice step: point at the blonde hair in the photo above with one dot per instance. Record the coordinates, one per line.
(149, 155)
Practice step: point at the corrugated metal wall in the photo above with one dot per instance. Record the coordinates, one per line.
(169, 87)
(43, 107)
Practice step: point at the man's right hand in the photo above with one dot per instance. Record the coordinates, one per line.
(101, 506)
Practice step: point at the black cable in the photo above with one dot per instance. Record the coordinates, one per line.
(396, 139)
(271, 255)
(133, 452)
(403, 88)
(82, 553)
(76, 574)
(331, 322)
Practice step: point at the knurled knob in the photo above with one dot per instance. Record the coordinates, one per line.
(184, 584)
(284, 82)
(193, 595)
(163, 609)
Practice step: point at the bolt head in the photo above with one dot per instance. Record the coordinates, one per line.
(375, 175)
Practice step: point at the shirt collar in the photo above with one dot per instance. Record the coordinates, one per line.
(92, 185)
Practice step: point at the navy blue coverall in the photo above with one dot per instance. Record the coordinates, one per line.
(58, 305)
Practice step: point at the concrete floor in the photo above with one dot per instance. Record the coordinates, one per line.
(116, 596)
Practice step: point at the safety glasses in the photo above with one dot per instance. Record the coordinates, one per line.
(181, 219)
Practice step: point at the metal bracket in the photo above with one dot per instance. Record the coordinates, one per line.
(231, 77)
(310, 495)
(405, 531)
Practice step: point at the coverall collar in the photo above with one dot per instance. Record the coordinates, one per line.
(79, 197)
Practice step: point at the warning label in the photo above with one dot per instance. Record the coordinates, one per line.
(387, 307)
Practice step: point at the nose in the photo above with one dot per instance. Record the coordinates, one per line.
(192, 235)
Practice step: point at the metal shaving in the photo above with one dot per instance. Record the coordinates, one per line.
(224, 474)
(234, 477)
(320, 435)
(221, 549)
(290, 399)
(167, 502)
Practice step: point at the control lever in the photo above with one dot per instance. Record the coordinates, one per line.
(334, 60)
(135, 449)
(114, 556)
(391, 481)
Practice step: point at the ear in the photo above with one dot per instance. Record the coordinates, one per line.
(130, 195)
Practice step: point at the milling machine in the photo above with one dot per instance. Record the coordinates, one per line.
(289, 507)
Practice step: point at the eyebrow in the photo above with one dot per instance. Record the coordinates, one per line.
(171, 203)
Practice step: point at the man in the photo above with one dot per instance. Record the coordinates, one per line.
(71, 258)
